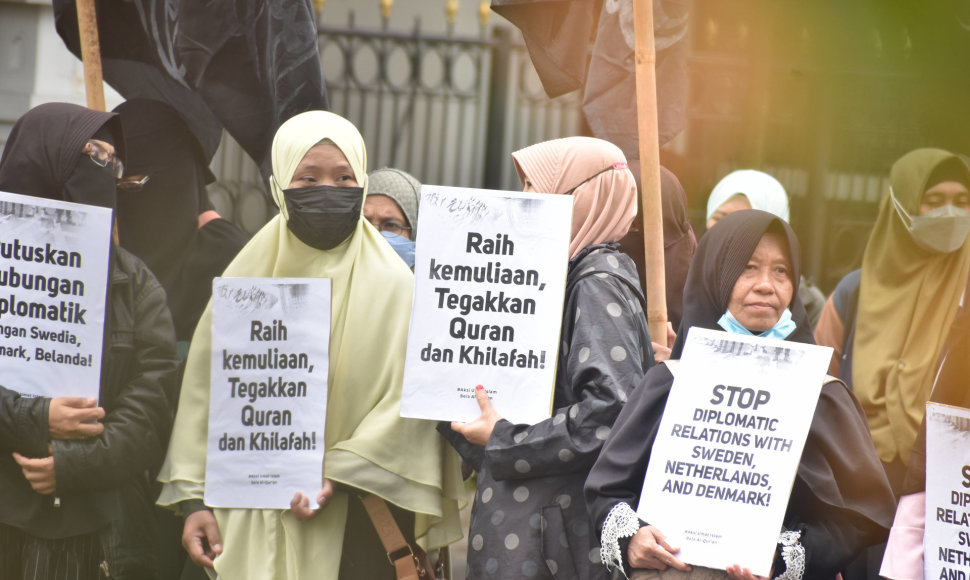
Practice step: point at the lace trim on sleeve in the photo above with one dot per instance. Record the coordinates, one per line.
(621, 522)
(793, 553)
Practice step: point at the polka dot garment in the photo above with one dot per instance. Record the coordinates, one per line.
(529, 518)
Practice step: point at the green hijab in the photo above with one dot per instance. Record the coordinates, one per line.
(908, 298)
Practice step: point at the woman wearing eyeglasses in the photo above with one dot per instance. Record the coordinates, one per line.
(529, 519)
(75, 496)
(392, 207)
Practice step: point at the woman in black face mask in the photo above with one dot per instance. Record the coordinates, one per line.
(319, 181)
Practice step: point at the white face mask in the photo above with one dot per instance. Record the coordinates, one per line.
(943, 229)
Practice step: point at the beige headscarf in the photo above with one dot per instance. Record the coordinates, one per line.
(908, 298)
(368, 445)
(604, 203)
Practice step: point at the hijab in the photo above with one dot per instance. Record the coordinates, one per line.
(679, 242)
(160, 223)
(368, 445)
(721, 255)
(763, 191)
(403, 188)
(44, 147)
(908, 298)
(839, 475)
(605, 194)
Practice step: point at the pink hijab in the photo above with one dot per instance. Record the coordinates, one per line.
(603, 189)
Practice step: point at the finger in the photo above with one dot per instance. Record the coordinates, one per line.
(78, 402)
(86, 414)
(196, 551)
(85, 430)
(20, 459)
(211, 529)
(482, 397)
(295, 502)
(458, 427)
(662, 541)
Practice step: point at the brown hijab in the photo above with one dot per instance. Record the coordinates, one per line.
(595, 173)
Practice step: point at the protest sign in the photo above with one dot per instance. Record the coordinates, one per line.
(729, 444)
(53, 286)
(490, 274)
(268, 395)
(946, 541)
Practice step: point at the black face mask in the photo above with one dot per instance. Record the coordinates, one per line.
(324, 216)
(91, 184)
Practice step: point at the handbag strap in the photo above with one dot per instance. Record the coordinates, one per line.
(399, 552)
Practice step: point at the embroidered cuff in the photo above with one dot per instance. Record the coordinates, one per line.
(793, 553)
(621, 522)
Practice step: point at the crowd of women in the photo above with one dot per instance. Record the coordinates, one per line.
(555, 499)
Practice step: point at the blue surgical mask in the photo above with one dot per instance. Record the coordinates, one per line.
(403, 246)
(781, 330)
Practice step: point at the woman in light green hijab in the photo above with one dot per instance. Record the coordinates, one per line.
(319, 182)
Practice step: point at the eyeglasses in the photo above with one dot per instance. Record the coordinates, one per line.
(391, 226)
(132, 183)
(617, 165)
(103, 155)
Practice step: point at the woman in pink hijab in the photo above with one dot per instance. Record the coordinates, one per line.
(529, 519)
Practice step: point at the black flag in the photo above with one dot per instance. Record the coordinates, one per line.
(589, 45)
(246, 65)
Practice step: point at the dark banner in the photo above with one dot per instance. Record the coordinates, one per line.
(589, 45)
(246, 65)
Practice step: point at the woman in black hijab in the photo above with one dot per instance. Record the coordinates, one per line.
(75, 473)
(169, 222)
(840, 501)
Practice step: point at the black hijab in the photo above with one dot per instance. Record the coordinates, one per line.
(840, 500)
(679, 243)
(679, 240)
(718, 262)
(160, 223)
(44, 148)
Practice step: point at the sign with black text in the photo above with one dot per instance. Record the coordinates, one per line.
(946, 541)
(53, 288)
(268, 391)
(490, 273)
(729, 444)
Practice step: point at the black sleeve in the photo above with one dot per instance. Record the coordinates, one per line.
(472, 454)
(617, 475)
(24, 423)
(841, 499)
(137, 426)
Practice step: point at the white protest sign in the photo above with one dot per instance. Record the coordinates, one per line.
(946, 541)
(729, 444)
(268, 395)
(490, 274)
(53, 284)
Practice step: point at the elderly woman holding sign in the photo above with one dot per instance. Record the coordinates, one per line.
(529, 520)
(372, 455)
(744, 279)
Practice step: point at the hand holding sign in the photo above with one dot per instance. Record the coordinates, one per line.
(75, 418)
(300, 504)
(479, 430)
(649, 550)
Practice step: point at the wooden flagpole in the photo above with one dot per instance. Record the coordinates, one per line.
(647, 127)
(91, 54)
